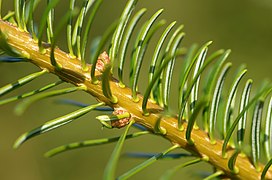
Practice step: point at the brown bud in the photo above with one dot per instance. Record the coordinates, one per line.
(102, 60)
(121, 122)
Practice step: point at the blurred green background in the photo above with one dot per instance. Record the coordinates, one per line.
(243, 26)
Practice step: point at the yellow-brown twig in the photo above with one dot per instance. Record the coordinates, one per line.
(72, 72)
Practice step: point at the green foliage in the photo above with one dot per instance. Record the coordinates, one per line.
(198, 101)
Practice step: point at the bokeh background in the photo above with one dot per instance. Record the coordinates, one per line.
(243, 26)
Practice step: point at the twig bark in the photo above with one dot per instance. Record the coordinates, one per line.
(72, 72)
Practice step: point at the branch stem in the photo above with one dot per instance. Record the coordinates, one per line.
(73, 73)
